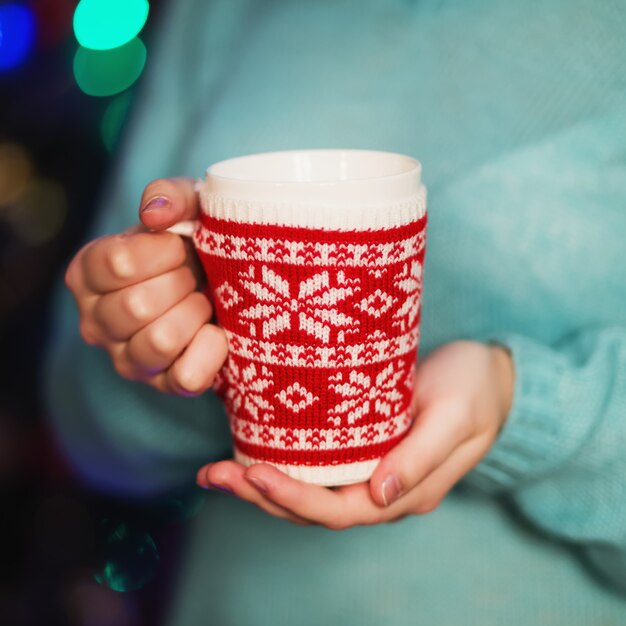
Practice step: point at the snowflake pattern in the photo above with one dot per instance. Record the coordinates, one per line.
(360, 397)
(409, 281)
(315, 306)
(244, 389)
(322, 334)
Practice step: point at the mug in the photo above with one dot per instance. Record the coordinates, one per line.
(314, 263)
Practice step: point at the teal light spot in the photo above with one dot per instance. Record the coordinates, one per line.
(108, 24)
(113, 120)
(108, 72)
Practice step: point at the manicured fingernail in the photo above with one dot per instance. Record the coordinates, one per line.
(258, 483)
(391, 489)
(221, 488)
(158, 203)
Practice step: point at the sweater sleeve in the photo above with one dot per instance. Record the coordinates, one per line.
(561, 455)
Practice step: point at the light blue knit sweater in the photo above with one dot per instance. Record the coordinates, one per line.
(517, 111)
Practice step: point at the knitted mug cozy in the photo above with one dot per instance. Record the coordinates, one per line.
(323, 330)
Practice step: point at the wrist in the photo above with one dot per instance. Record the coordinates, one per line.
(504, 374)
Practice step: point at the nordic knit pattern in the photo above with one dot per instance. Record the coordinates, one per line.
(322, 328)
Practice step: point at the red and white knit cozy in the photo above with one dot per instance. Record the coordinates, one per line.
(323, 329)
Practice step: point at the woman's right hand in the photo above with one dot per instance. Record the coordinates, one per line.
(138, 297)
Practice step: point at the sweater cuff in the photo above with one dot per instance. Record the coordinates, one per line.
(534, 438)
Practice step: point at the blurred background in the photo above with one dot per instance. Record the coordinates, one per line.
(69, 72)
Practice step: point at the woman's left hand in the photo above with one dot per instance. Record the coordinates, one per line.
(462, 397)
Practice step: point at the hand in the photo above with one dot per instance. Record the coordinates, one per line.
(137, 297)
(462, 396)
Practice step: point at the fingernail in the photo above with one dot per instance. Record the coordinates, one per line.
(221, 488)
(158, 203)
(258, 483)
(391, 489)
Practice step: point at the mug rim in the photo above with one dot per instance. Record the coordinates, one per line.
(413, 167)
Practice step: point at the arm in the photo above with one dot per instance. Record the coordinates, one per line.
(562, 454)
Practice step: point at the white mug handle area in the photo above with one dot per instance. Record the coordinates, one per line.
(187, 228)
(184, 229)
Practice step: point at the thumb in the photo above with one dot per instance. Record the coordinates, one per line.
(167, 201)
(436, 432)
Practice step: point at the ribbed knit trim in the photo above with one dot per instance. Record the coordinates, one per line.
(532, 436)
(308, 215)
(324, 475)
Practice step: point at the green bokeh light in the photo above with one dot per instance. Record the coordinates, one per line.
(108, 72)
(107, 24)
(129, 557)
(113, 120)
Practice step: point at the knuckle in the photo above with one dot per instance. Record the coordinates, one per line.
(136, 305)
(335, 523)
(124, 368)
(119, 260)
(163, 340)
(160, 384)
(189, 380)
(88, 333)
(380, 517)
(71, 276)
(428, 505)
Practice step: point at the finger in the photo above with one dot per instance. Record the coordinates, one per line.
(194, 371)
(435, 434)
(335, 509)
(230, 476)
(159, 344)
(124, 312)
(75, 275)
(119, 261)
(166, 201)
(427, 496)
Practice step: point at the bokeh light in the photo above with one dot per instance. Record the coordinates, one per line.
(129, 557)
(108, 72)
(16, 169)
(108, 24)
(40, 212)
(113, 120)
(17, 34)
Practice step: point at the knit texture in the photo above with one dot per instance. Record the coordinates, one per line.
(322, 328)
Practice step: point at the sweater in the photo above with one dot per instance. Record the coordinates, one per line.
(517, 112)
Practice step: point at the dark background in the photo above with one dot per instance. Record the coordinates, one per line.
(67, 555)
